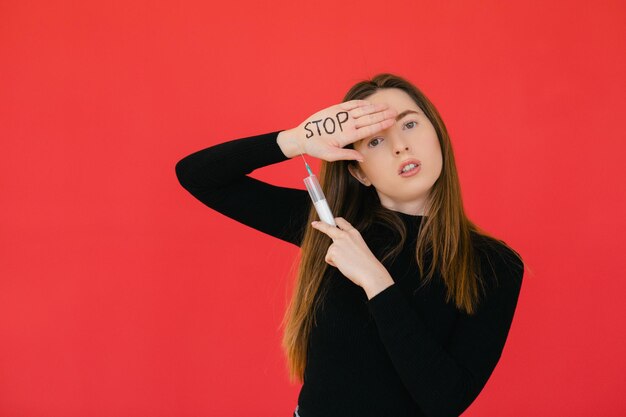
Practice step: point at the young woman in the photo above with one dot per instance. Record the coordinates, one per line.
(404, 307)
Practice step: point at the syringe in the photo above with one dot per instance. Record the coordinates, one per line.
(319, 200)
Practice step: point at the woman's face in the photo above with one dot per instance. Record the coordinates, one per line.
(411, 139)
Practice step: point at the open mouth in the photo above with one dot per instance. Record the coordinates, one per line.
(409, 166)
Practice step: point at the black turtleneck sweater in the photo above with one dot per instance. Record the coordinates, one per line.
(405, 352)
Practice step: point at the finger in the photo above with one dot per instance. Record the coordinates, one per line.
(371, 109)
(353, 104)
(370, 130)
(330, 231)
(345, 155)
(374, 118)
(329, 260)
(344, 224)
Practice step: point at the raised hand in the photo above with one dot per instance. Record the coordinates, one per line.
(325, 134)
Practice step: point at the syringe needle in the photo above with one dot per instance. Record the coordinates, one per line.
(308, 168)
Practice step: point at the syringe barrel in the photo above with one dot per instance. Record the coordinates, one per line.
(319, 200)
(314, 188)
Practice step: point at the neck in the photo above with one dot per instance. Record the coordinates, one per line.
(411, 208)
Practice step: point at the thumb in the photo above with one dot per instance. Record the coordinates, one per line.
(348, 154)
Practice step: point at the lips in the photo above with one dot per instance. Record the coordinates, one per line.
(407, 162)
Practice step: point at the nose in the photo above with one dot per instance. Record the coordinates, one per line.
(399, 145)
(406, 148)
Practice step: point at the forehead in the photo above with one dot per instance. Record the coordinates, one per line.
(395, 98)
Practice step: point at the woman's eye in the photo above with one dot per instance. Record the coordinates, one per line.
(408, 123)
(374, 142)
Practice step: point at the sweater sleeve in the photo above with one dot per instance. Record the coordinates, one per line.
(445, 379)
(217, 176)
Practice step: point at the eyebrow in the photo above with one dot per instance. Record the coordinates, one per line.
(404, 113)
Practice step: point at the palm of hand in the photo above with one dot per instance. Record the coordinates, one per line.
(328, 131)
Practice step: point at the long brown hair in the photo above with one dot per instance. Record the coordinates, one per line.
(444, 236)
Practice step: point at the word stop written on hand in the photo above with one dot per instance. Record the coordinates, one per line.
(326, 124)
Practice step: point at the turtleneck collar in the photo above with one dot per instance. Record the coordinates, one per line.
(407, 217)
(411, 221)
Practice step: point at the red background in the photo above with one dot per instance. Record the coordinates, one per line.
(121, 295)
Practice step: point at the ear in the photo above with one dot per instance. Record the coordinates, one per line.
(357, 173)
